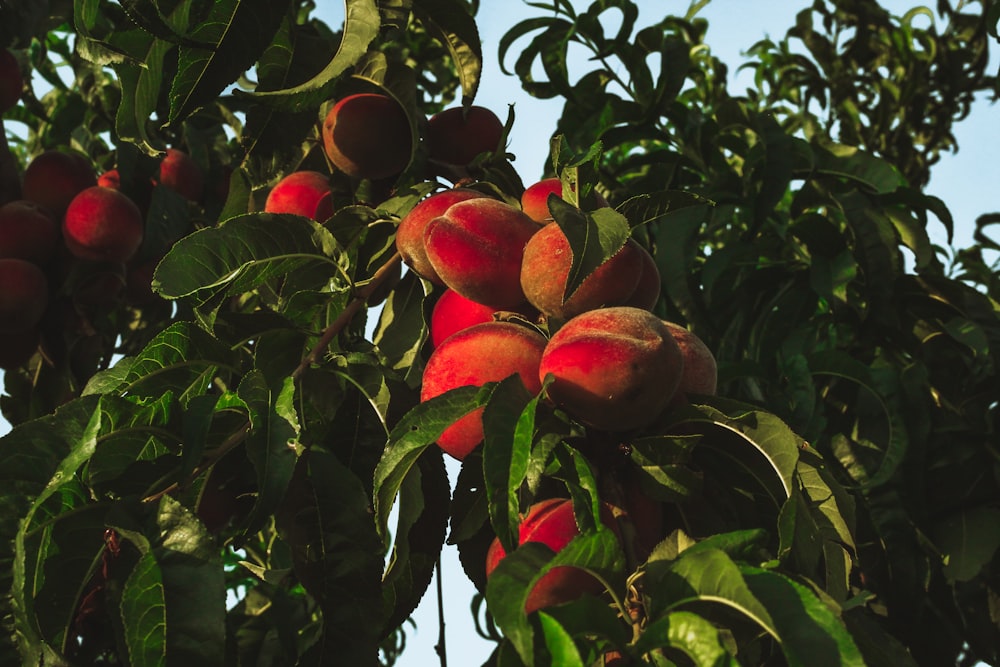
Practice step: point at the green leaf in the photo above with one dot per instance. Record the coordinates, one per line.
(810, 633)
(361, 26)
(559, 643)
(875, 174)
(593, 238)
(689, 633)
(143, 614)
(968, 540)
(452, 24)
(237, 32)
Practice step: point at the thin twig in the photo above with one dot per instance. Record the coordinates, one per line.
(440, 646)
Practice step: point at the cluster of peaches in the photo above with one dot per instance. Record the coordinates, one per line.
(606, 360)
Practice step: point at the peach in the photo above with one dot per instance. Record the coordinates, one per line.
(453, 313)
(535, 199)
(476, 249)
(17, 348)
(647, 291)
(11, 80)
(53, 178)
(24, 293)
(545, 271)
(458, 135)
(410, 233)
(614, 369)
(102, 224)
(27, 231)
(367, 135)
(552, 523)
(488, 352)
(110, 179)
(305, 193)
(700, 374)
(182, 174)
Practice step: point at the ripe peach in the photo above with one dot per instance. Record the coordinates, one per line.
(614, 368)
(305, 193)
(552, 523)
(545, 270)
(535, 199)
(110, 179)
(53, 178)
(487, 352)
(700, 374)
(453, 313)
(367, 135)
(24, 293)
(17, 348)
(11, 80)
(410, 233)
(27, 231)
(181, 173)
(647, 292)
(476, 248)
(458, 135)
(102, 224)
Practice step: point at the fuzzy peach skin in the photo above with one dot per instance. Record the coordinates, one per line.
(476, 249)
(54, 177)
(27, 231)
(24, 294)
(647, 291)
(535, 199)
(701, 373)
(552, 523)
(181, 173)
(488, 352)
(545, 271)
(410, 233)
(614, 369)
(458, 135)
(305, 193)
(102, 224)
(453, 313)
(367, 135)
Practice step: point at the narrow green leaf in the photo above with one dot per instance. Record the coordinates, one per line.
(968, 539)
(143, 614)
(593, 238)
(689, 633)
(559, 643)
(452, 24)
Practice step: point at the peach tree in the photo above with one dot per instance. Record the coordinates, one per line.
(222, 450)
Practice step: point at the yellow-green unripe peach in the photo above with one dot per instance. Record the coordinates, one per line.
(305, 193)
(458, 135)
(367, 135)
(551, 522)
(700, 374)
(476, 248)
(488, 352)
(24, 294)
(55, 177)
(614, 369)
(102, 224)
(410, 233)
(545, 269)
(27, 231)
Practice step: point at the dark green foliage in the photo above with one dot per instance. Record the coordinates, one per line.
(835, 504)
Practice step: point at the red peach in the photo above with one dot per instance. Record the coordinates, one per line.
(700, 374)
(535, 199)
(53, 178)
(488, 352)
(545, 271)
(476, 248)
(182, 174)
(458, 135)
(11, 80)
(453, 313)
(552, 523)
(614, 368)
(410, 233)
(102, 224)
(367, 135)
(24, 294)
(27, 231)
(110, 179)
(305, 193)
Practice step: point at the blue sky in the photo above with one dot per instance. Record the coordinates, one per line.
(964, 181)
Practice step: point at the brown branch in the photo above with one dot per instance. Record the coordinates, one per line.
(440, 646)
